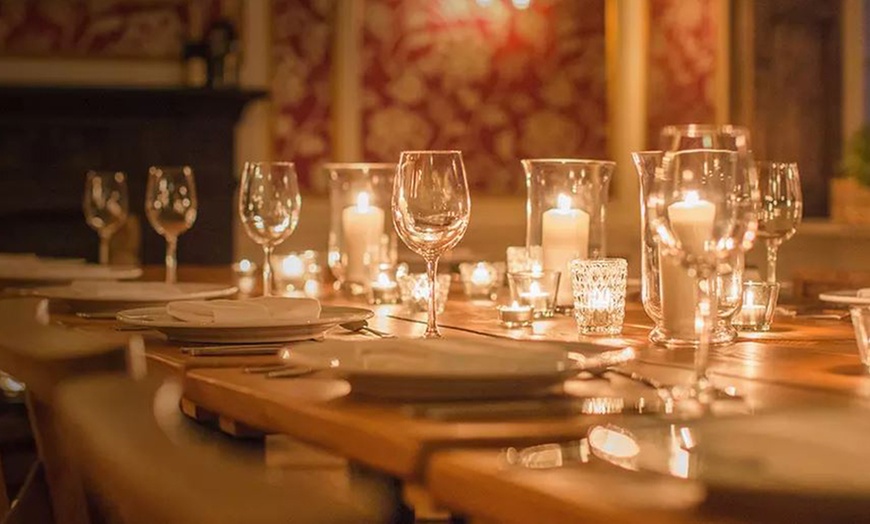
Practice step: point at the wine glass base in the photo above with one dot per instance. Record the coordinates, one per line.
(722, 336)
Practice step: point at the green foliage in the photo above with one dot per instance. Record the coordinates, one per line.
(856, 161)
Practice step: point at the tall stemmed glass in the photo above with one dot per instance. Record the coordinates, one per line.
(781, 207)
(106, 205)
(170, 205)
(269, 205)
(702, 209)
(431, 209)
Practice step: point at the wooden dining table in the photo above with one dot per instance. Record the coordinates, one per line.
(800, 362)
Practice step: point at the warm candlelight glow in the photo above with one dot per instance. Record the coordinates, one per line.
(537, 269)
(363, 201)
(384, 281)
(481, 275)
(692, 197)
(563, 202)
(600, 299)
(292, 266)
(244, 265)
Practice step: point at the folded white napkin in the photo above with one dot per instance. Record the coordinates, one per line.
(125, 290)
(242, 311)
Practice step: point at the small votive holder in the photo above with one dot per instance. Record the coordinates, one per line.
(522, 258)
(245, 275)
(384, 288)
(515, 315)
(861, 323)
(759, 306)
(536, 289)
(294, 272)
(415, 291)
(480, 280)
(599, 295)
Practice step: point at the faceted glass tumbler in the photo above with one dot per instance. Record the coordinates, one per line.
(599, 295)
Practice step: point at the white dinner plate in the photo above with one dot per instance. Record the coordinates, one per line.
(50, 271)
(852, 297)
(248, 332)
(115, 296)
(402, 369)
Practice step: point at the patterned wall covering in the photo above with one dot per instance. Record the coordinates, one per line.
(302, 37)
(682, 63)
(498, 83)
(108, 28)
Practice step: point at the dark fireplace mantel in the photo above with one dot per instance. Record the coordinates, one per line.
(51, 136)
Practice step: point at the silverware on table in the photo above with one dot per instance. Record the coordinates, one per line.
(363, 325)
(97, 315)
(290, 372)
(230, 350)
(531, 408)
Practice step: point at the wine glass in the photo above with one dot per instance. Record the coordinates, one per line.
(702, 211)
(781, 207)
(431, 209)
(105, 205)
(170, 205)
(269, 205)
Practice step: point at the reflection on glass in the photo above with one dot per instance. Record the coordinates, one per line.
(106, 205)
(170, 205)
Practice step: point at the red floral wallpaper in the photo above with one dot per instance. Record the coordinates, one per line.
(494, 81)
(682, 64)
(302, 36)
(111, 28)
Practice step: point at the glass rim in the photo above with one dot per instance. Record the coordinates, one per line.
(701, 128)
(431, 152)
(184, 168)
(761, 284)
(729, 152)
(270, 162)
(775, 163)
(103, 172)
(607, 261)
(566, 161)
(530, 273)
(359, 165)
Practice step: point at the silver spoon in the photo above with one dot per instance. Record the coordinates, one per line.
(363, 325)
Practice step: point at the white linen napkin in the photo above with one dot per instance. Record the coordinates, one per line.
(242, 311)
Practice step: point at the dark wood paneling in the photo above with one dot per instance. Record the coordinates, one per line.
(50, 137)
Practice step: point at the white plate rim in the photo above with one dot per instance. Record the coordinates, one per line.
(112, 273)
(128, 316)
(216, 291)
(845, 296)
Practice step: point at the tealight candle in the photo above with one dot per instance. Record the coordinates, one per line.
(384, 289)
(415, 290)
(292, 267)
(759, 305)
(536, 289)
(515, 315)
(479, 280)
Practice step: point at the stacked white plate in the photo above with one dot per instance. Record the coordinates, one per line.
(23, 269)
(101, 296)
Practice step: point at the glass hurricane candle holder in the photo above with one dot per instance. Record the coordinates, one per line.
(415, 291)
(536, 289)
(565, 213)
(523, 258)
(516, 315)
(384, 288)
(245, 276)
(361, 235)
(599, 295)
(480, 280)
(758, 308)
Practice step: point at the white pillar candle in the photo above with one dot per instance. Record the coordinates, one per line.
(362, 226)
(565, 236)
(692, 223)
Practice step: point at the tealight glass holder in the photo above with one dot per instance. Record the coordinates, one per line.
(599, 295)
(361, 233)
(516, 315)
(245, 276)
(523, 258)
(759, 306)
(536, 289)
(565, 213)
(415, 289)
(480, 280)
(384, 287)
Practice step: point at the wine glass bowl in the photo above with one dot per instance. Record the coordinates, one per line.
(269, 205)
(431, 208)
(171, 208)
(105, 205)
(781, 207)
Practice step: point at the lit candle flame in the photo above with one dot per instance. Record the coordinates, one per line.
(363, 201)
(481, 276)
(692, 197)
(245, 265)
(563, 202)
(292, 266)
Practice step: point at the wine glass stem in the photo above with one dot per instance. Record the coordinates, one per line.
(431, 324)
(772, 248)
(104, 249)
(706, 316)
(171, 261)
(267, 271)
